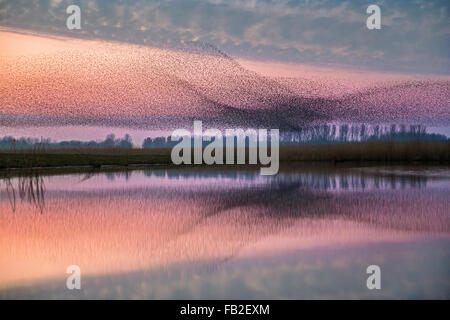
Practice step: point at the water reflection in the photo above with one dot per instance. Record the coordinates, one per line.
(29, 187)
(119, 223)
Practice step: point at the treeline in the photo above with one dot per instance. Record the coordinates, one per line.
(358, 133)
(321, 134)
(325, 134)
(10, 143)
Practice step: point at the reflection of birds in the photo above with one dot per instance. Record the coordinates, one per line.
(272, 201)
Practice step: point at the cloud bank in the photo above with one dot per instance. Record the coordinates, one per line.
(415, 35)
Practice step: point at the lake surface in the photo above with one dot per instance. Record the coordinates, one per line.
(308, 232)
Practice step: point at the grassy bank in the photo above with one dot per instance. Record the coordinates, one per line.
(83, 157)
(379, 151)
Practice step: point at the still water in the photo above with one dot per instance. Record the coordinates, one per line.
(308, 232)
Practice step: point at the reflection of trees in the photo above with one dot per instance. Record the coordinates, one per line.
(29, 188)
(327, 181)
(355, 181)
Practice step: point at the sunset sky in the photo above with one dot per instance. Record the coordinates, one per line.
(173, 60)
(414, 37)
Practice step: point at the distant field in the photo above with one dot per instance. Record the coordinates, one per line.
(381, 151)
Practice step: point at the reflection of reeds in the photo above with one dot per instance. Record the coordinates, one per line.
(30, 188)
(11, 194)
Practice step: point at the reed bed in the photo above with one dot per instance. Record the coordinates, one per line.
(377, 151)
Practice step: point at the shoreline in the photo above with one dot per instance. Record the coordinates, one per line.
(286, 167)
(374, 153)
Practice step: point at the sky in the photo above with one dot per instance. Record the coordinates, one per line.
(148, 67)
(414, 37)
